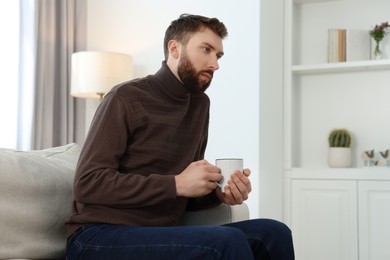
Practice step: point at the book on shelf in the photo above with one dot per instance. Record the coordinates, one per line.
(348, 45)
(336, 45)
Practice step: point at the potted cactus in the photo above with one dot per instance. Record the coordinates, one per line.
(339, 154)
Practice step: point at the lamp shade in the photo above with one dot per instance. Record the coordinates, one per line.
(95, 73)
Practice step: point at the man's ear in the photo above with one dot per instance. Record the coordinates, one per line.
(174, 48)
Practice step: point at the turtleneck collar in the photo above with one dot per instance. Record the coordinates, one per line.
(170, 82)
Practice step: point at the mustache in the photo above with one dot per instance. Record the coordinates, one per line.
(210, 72)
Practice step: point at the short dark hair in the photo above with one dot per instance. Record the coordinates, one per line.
(187, 24)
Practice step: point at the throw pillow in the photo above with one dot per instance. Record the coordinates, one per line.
(35, 198)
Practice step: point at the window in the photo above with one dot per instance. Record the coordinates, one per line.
(9, 28)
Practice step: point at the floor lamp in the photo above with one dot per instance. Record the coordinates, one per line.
(94, 73)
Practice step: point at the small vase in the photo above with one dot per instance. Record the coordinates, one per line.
(377, 51)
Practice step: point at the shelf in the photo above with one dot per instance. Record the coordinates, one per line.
(341, 67)
(367, 173)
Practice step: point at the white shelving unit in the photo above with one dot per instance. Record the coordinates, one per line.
(320, 96)
(323, 202)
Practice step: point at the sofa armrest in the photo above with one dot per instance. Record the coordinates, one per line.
(219, 215)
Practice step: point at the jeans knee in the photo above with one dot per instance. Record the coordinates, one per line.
(232, 243)
(267, 229)
(282, 229)
(280, 226)
(230, 235)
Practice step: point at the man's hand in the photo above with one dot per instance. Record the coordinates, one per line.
(198, 179)
(237, 189)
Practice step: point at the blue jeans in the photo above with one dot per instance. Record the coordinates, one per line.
(251, 239)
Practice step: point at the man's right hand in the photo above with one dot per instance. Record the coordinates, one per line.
(198, 179)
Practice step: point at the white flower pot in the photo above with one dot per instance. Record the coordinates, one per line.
(339, 157)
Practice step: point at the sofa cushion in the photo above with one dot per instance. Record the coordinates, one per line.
(35, 199)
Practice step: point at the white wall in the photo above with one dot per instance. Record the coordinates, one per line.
(137, 28)
(271, 109)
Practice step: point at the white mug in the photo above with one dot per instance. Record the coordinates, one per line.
(228, 166)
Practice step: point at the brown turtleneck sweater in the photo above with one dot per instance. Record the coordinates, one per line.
(144, 132)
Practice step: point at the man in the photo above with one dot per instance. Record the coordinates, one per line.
(142, 166)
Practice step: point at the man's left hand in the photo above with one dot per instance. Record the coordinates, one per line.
(237, 189)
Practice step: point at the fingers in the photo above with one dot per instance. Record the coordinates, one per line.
(238, 195)
(212, 185)
(246, 172)
(244, 182)
(238, 188)
(209, 167)
(198, 179)
(235, 192)
(200, 162)
(232, 197)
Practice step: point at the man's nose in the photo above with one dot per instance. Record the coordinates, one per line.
(214, 65)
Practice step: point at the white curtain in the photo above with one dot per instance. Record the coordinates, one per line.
(51, 30)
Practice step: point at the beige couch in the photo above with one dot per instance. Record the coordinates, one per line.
(36, 195)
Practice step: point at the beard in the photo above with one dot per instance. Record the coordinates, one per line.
(191, 78)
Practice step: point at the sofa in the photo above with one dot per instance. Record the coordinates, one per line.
(36, 196)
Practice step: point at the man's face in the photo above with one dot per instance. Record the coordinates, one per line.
(190, 77)
(199, 59)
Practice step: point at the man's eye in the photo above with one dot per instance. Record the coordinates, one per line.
(206, 49)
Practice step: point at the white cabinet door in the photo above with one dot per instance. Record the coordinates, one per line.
(374, 220)
(324, 219)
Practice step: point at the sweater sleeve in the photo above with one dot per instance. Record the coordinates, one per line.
(99, 179)
(206, 202)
